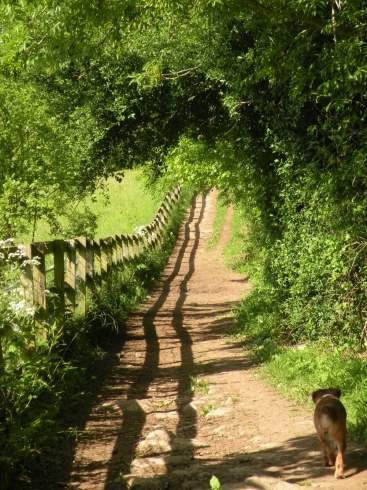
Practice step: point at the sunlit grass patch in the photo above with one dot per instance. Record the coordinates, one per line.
(298, 371)
(199, 385)
(234, 251)
(221, 208)
(121, 207)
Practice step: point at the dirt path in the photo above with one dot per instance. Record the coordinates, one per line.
(149, 430)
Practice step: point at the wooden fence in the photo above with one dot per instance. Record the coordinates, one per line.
(69, 272)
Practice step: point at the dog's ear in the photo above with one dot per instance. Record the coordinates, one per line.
(315, 395)
(335, 392)
(329, 391)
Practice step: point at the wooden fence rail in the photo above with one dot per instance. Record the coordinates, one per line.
(77, 268)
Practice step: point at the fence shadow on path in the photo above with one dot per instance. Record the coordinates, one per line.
(133, 421)
(134, 380)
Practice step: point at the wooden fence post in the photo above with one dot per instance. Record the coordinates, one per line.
(2, 363)
(27, 277)
(119, 249)
(97, 266)
(85, 273)
(125, 248)
(39, 282)
(71, 276)
(114, 250)
(151, 235)
(136, 245)
(106, 256)
(59, 281)
(129, 247)
(159, 228)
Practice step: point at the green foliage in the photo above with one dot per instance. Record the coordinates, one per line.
(33, 371)
(215, 484)
(292, 158)
(237, 248)
(44, 160)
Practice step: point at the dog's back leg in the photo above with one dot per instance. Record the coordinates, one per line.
(328, 455)
(339, 463)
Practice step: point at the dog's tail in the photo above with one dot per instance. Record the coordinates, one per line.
(326, 410)
(329, 411)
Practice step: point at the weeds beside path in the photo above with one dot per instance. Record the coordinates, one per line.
(181, 401)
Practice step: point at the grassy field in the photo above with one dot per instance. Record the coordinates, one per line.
(127, 206)
(119, 208)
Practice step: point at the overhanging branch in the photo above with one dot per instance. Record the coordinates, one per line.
(299, 17)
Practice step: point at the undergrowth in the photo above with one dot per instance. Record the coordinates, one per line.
(47, 370)
(296, 361)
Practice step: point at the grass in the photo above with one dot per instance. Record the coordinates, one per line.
(220, 216)
(119, 208)
(296, 372)
(199, 385)
(124, 206)
(234, 251)
(205, 410)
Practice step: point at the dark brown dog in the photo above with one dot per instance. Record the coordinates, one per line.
(330, 420)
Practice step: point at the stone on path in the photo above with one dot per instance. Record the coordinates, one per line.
(141, 483)
(218, 412)
(158, 441)
(259, 483)
(131, 405)
(162, 441)
(156, 465)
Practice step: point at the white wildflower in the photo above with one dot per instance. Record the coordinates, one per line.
(17, 306)
(34, 261)
(140, 230)
(7, 242)
(20, 308)
(18, 254)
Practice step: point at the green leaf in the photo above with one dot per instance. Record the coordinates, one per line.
(214, 483)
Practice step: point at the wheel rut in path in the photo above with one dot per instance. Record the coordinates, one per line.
(150, 430)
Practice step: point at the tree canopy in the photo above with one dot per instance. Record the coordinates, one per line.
(265, 100)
